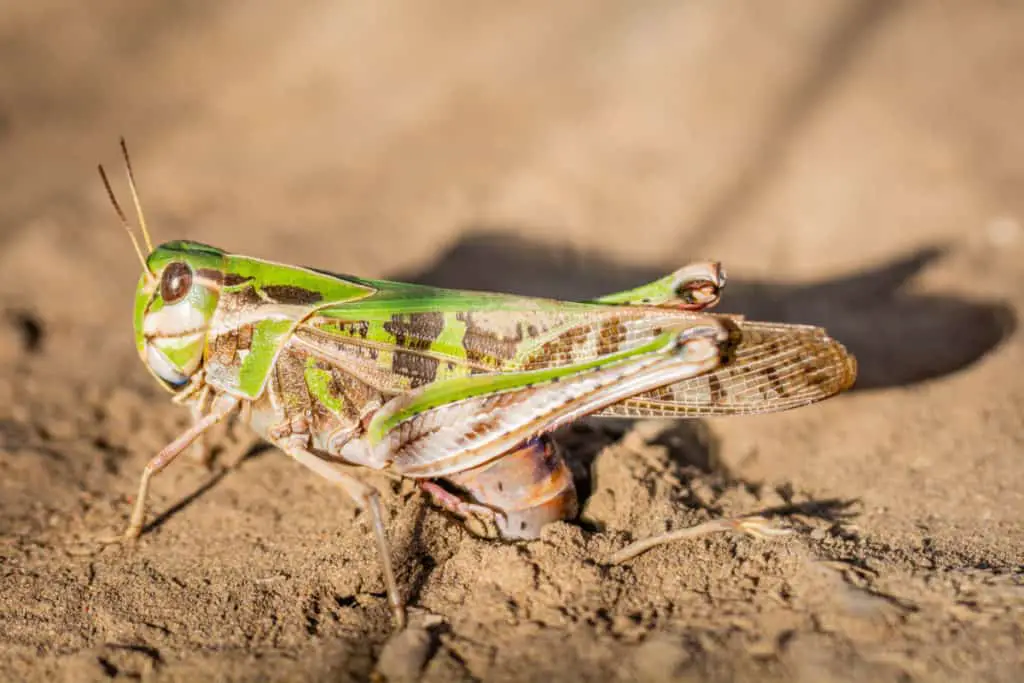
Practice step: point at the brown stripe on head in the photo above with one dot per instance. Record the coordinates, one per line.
(219, 277)
(238, 300)
(292, 295)
(234, 279)
(213, 275)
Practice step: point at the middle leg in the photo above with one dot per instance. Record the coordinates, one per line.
(366, 498)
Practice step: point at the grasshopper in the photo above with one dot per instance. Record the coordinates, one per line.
(457, 390)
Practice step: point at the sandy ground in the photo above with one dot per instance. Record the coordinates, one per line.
(854, 164)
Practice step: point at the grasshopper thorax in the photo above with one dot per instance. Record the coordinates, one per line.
(175, 303)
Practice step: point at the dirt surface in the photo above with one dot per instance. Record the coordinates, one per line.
(857, 165)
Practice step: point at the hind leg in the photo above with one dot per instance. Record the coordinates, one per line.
(755, 526)
(479, 520)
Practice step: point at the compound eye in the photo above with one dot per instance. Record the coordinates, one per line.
(175, 282)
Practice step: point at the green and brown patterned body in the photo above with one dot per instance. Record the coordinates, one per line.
(456, 389)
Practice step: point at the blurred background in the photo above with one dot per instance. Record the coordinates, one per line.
(794, 144)
(857, 164)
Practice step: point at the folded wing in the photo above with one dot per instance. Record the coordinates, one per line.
(775, 367)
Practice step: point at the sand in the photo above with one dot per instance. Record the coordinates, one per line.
(853, 164)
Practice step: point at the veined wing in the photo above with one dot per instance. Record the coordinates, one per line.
(775, 367)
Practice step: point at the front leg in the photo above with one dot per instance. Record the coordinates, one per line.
(199, 398)
(199, 452)
(164, 458)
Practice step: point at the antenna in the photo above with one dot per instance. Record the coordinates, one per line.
(124, 219)
(135, 196)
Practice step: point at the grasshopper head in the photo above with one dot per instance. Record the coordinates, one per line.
(174, 305)
(176, 297)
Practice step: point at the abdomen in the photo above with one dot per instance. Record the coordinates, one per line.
(531, 486)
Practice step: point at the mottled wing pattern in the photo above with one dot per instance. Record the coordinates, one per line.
(407, 336)
(453, 426)
(775, 367)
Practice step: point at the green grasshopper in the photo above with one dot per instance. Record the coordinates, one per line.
(458, 390)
